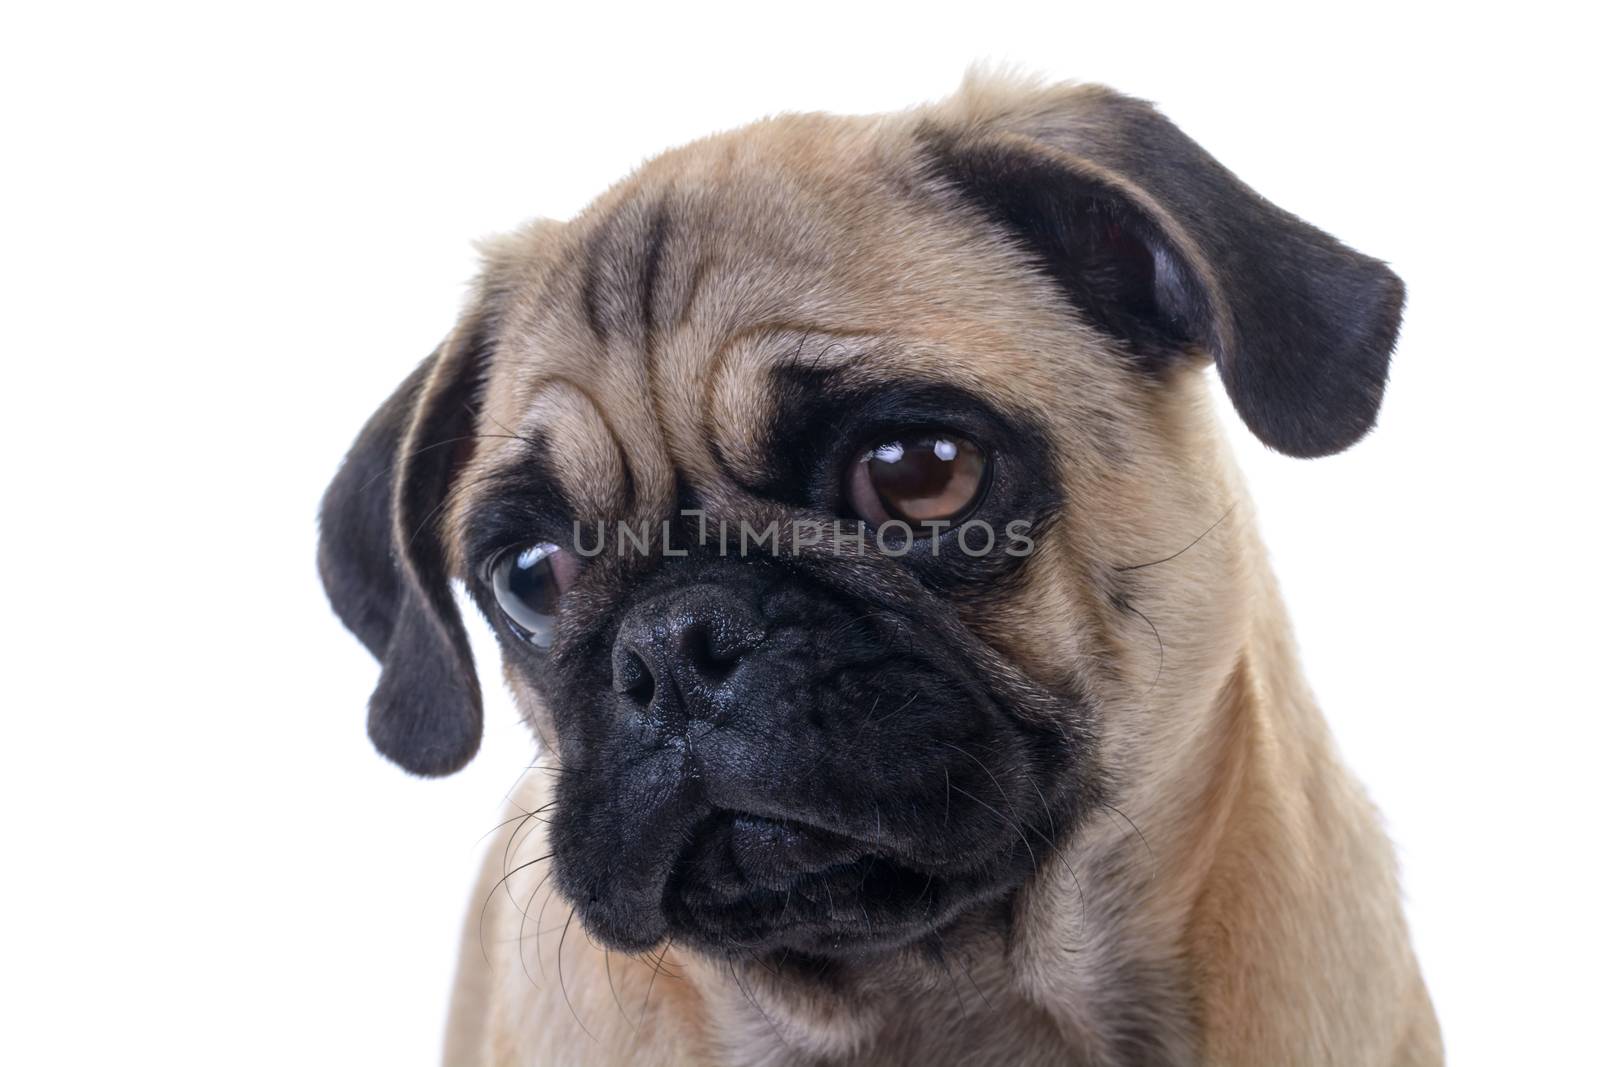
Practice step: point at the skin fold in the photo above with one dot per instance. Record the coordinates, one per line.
(1075, 805)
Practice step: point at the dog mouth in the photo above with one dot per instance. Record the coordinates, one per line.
(749, 883)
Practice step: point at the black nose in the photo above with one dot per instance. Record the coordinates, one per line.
(676, 652)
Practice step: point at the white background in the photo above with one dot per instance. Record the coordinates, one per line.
(227, 234)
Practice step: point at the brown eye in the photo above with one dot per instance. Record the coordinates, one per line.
(918, 479)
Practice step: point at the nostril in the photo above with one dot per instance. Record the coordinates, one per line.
(695, 644)
(644, 690)
(631, 677)
(712, 654)
(676, 655)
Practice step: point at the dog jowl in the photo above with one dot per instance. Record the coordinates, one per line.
(802, 750)
(845, 499)
(775, 732)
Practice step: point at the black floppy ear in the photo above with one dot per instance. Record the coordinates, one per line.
(1159, 244)
(384, 567)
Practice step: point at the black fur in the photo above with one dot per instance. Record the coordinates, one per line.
(800, 754)
(650, 270)
(807, 753)
(519, 503)
(829, 419)
(384, 570)
(1300, 326)
(621, 273)
(811, 755)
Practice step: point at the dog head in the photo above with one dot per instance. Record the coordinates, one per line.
(845, 499)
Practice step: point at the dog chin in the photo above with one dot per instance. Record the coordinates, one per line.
(748, 885)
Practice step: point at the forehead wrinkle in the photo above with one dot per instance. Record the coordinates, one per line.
(620, 261)
(643, 264)
(585, 453)
(748, 249)
(563, 430)
(639, 272)
(738, 403)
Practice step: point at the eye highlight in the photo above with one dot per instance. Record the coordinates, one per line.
(918, 479)
(528, 583)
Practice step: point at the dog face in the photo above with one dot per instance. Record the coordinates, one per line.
(826, 485)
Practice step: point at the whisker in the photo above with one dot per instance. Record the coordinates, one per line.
(1044, 804)
(1185, 548)
(489, 898)
(616, 999)
(1135, 827)
(390, 467)
(444, 501)
(522, 934)
(912, 699)
(644, 1006)
(1161, 647)
(538, 925)
(1005, 819)
(1083, 901)
(503, 823)
(942, 955)
(976, 987)
(1016, 821)
(561, 978)
(733, 972)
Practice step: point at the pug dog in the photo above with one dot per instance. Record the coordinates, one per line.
(909, 680)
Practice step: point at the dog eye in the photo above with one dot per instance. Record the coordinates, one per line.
(528, 583)
(918, 479)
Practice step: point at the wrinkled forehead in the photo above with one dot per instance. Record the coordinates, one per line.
(645, 354)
